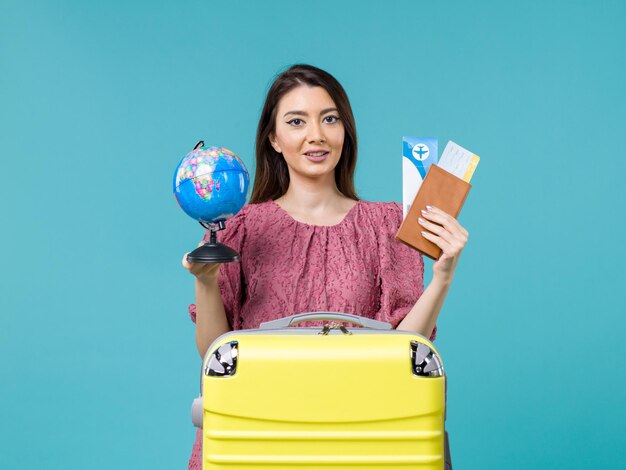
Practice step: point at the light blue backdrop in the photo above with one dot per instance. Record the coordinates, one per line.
(99, 101)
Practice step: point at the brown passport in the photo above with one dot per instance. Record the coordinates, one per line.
(442, 190)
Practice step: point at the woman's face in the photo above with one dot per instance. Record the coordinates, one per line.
(308, 132)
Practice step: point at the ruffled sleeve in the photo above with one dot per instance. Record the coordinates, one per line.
(230, 279)
(401, 278)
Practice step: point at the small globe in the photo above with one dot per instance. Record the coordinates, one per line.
(211, 184)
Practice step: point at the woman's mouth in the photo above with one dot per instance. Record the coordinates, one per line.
(316, 156)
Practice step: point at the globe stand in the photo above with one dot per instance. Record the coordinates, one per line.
(213, 251)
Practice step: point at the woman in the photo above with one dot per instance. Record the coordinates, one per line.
(307, 242)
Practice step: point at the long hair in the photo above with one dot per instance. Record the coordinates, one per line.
(272, 175)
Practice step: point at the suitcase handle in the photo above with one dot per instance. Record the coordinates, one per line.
(345, 317)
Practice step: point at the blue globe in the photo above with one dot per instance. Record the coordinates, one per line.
(211, 184)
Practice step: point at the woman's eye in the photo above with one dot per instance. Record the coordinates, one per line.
(331, 119)
(295, 122)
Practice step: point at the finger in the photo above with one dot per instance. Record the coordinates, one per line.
(185, 262)
(452, 220)
(440, 242)
(436, 229)
(443, 218)
(450, 249)
(206, 270)
(216, 267)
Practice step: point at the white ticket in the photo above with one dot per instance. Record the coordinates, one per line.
(458, 161)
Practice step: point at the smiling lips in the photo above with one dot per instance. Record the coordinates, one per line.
(317, 155)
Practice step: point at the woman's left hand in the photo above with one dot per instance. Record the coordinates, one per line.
(444, 231)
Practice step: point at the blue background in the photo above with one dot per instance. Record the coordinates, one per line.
(100, 100)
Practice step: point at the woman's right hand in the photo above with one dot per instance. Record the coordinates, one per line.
(210, 319)
(204, 272)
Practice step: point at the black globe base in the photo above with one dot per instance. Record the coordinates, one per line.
(213, 251)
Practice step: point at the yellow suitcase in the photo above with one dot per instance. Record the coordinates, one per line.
(326, 397)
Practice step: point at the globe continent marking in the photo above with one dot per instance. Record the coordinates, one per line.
(211, 184)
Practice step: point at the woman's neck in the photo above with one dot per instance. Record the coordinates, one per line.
(314, 199)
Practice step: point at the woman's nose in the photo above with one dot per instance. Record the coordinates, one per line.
(315, 133)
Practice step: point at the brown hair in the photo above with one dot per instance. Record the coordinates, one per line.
(272, 175)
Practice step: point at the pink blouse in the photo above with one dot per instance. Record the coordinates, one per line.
(290, 267)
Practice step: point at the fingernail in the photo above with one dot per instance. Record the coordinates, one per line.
(420, 220)
(424, 212)
(429, 208)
